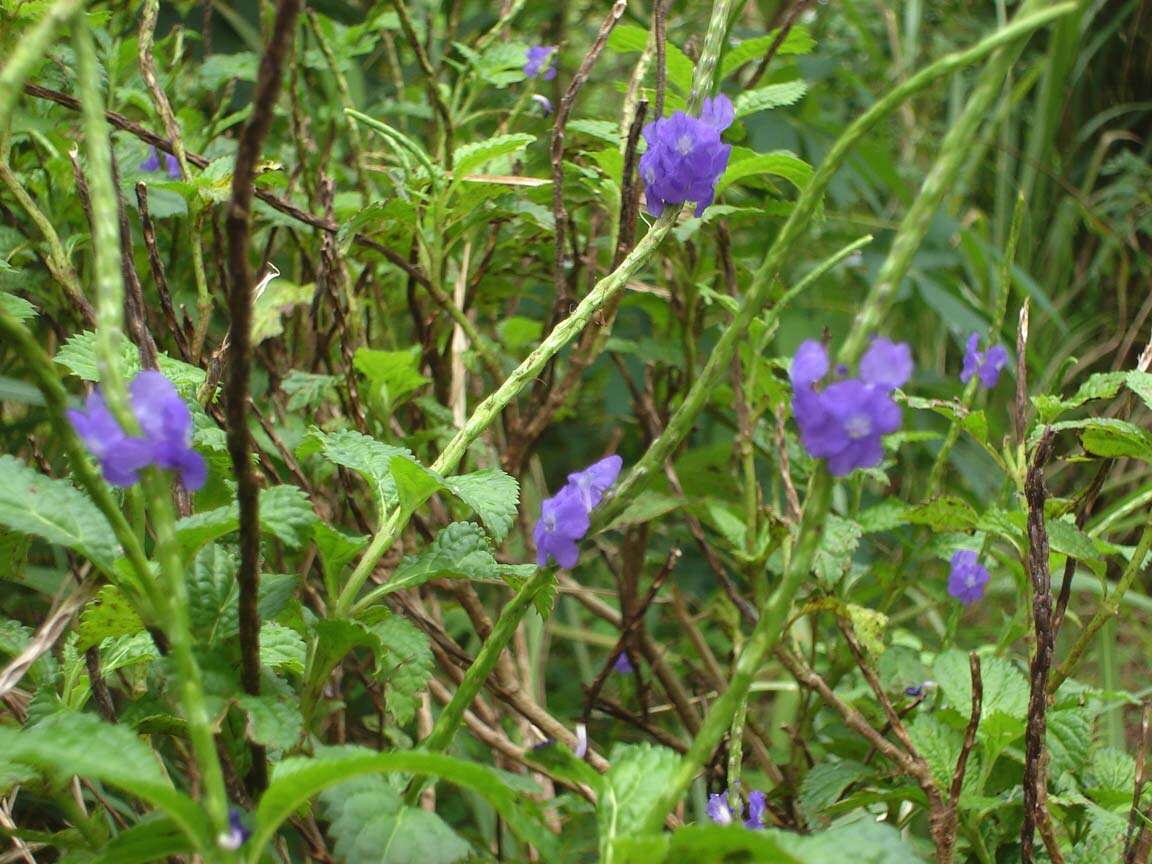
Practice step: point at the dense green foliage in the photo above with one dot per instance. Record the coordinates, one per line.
(404, 298)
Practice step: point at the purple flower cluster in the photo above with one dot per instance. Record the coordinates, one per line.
(685, 156)
(564, 518)
(538, 65)
(166, 439)
(968, 578)
(171, 163)
(984, 364)
(845, 423)
(720, 813)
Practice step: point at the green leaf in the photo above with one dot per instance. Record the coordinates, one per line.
(335, 549)
(17, 307)
(639, 775)
(213, 594)
(278, 299)
(54, 510)
(392, 375)
(79, 355)
(493, 496)
(404, 662)
(944, 514)
(631, 39)
(708, 844)
(779, 163)
(371, 825)
(862, 842)
(797, 41)
(369, 458)
(458, 551)
(307, 390)
(274, 720)
(825, 783)
(415, 484)
(282, 648)
(870, 627)
(770, 96)
(838, 544)
(469, 157)
(1110, 778)
(1005, 695)
(108, 614)
(154, 838)
(285, 512)
(296, 780)
(68, 744)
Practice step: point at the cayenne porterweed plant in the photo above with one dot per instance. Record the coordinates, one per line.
(606, 431)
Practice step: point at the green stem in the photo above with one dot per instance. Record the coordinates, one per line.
(736, 757)
(179, 629)
(29, 50)
(503, 630)
(105, 226)
(759, 293)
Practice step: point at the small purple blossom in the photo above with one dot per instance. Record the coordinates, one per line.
(623, 665)
(171, 164)
(845, 423)
(564, 518)
(537, 58)
(685, 156)
(968, 578)
(544, 102)
(166, 439)
(236, 835)
(984, 364)
(721, 813)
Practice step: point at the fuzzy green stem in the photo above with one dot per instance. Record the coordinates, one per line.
(449, 720)
(105, 225)
(179, 629)
(736, 756)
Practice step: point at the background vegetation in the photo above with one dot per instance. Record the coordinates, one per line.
(404, 301)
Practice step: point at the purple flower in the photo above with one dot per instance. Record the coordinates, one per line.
(237, 834)
(985, 364)
(685, 156)
(564, 518)
(623, 665)
(166, 439)
(596, 479)
(537, 56)
(563, 521)
(720, 813)
(968, 579)
(171, 164)
(544, 102)
(845, 423)
(120, 455)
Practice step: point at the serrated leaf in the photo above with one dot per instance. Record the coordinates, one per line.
(79, 355)
(108, 614)
(779, 163)
(17, 307)
(469, 157)
(458, 551)
(630, 39)
(708, 844)
(639, 775)
(371, 825)
(837, 547)
(825, 782)
(307, 390)
(54, 510)
(869, 626)
(369, 458)
(493, 496)
(404, 662)
(770, 96)
(296, 780)
(273, 720)
(415, 484)
(797, 41)
(282, 648)
(121, 652)
(335, 549)
(285, 512)
(943, 514)
(392, 375)
(154, 838)
(1005, 695)
(67, 744)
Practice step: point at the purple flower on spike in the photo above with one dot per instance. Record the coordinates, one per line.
(845, 423)
(720, 813)
(119, 454)
(685, 156)
(166, 439)
(623, 665)
(537, 58)
(563, 521)
(171, 164)
(968, 579)
(985, 364)
(564, 518)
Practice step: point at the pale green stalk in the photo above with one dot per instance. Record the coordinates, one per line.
(109, 313)
(736, 757)
(774, 616)
(28, 51)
